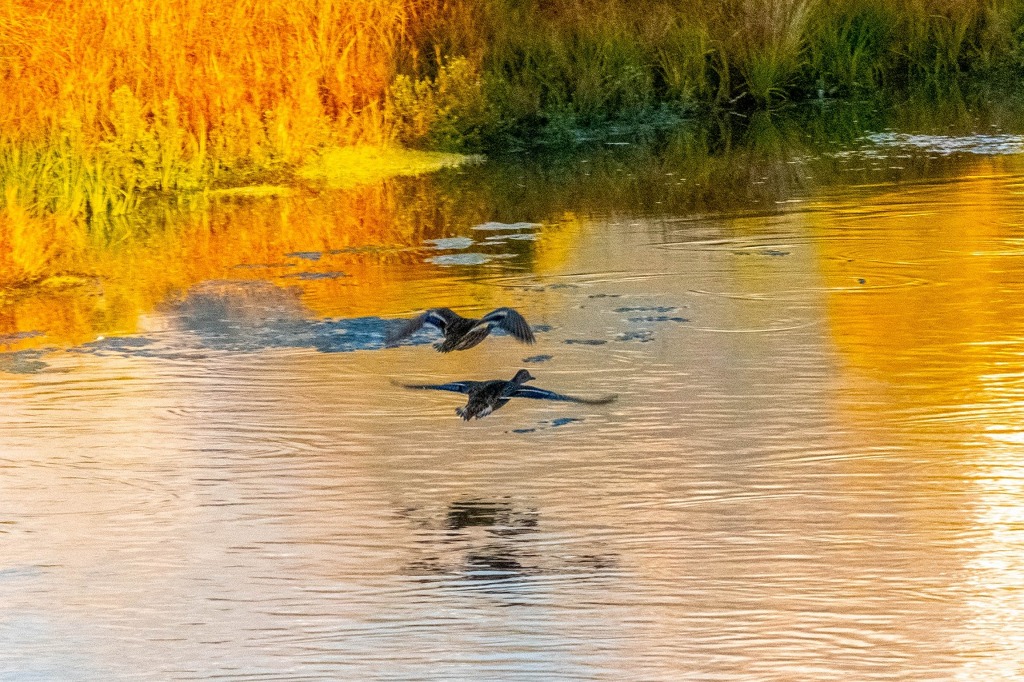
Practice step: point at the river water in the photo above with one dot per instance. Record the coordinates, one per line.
(812, 470)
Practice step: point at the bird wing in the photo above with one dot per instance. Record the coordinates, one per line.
(438, 317)
(511, 321)
(541, 394)
(453, 386)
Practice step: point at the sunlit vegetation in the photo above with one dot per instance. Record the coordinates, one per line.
(108, 104)
(341, 167)
(111, 109)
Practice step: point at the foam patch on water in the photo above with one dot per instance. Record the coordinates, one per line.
(647, 309)
(22, 362)
(306, 255)
(116, 343)
(317, 275)
(639, 335)
(986, 145)
(537, 358)
(659, 318)
(451, 243)
(521, 237)
(6, 339)
(460, 259)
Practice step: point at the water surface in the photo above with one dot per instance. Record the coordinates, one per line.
(811, 471)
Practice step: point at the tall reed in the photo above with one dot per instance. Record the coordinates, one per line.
(263, 75)
(104, 99)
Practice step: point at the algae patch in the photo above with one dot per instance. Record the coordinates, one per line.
(342, 167)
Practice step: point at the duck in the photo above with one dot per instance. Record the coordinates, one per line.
(460, 332)
(487, 396)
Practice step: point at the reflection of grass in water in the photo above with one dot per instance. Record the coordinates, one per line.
(105, 106)
(101, 279)
(50, 212)
(252, 191)
(733, 163)
(113, 275)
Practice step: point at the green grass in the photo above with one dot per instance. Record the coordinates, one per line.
(536, 69)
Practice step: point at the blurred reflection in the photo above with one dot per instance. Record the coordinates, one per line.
(490, 540)
(925, 297)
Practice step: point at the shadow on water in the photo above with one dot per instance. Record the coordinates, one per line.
(252, 316)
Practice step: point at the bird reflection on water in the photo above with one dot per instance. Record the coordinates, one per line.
(491, 545)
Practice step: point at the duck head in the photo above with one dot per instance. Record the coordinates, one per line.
(522, 376)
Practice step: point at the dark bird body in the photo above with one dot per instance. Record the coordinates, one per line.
(487, 396)
(460, 332)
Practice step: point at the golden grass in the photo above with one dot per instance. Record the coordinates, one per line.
(210, 84)
(238, 75)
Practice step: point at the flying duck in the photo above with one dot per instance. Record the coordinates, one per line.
(460, 332)
(487, 396)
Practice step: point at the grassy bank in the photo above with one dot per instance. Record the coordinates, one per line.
(585, 63)
(106, 104)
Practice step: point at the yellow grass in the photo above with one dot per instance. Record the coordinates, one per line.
(239, 75)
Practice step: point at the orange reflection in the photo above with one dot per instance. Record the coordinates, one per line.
(924, 305)
(925, 297)
(350, 253)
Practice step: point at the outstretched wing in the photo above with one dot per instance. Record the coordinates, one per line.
(541, 394)
(438, 317)
(453, 386)
(512, 322)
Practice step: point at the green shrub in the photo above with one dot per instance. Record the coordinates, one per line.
(448, 112)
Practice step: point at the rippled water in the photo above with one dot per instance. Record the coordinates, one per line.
(811, 472)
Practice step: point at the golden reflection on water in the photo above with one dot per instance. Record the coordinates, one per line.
(925, 299)
(925, 307)
(346, 254)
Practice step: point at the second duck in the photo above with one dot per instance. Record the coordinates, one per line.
(487, 396)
